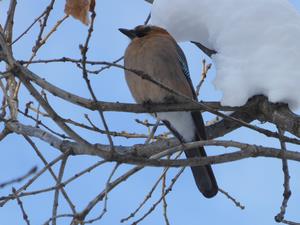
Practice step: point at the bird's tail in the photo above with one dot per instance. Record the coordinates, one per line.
(203, 175)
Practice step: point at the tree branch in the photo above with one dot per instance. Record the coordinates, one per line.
(139, 154)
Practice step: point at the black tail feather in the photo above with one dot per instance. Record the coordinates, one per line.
(203, 175)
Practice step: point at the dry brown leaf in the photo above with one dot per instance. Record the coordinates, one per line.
(79, 9)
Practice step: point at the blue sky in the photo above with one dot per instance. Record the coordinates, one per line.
(256, 183)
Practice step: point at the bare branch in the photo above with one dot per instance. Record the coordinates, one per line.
(25, 216)
(8, 28)
(289, 222)
(237, 204)
(149, 195)
(56, 193)
(205, 69)
(61, 185)
(161, 198)
(84, 50)
(275, 113)
(72, 206)
(24, 187)
(137, 153)
(157, 151)
(19, 179)
(286, 184)
(203, 106)
(104, 210)
(164, 200)
(4, 133)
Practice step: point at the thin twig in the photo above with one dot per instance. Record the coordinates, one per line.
(169, 189)
(109, 66)
(39, 42)
(164, 200)
(25, 216)
(59, 216)
(19, 179)
(106, 196)
(84, 50)
(149, 195)
(39, 122)
(147, 19)
(237, 203)
(8, 27)
(56, 193)
(289, 222)
(39, 154)
(286, 184)
(63, 184)
(113, 184)
(123, 134)
(24, 187)
(146, 123)
(28, 28)
(205, 69)
(152, 133)
(38, 111)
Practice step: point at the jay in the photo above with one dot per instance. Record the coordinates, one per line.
(155, 52)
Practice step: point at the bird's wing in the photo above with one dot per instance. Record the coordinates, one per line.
(197, 117)
(185, 69)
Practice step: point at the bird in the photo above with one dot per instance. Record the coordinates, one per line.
(155, 52)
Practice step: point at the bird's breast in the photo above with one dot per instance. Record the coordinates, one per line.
(157, 59)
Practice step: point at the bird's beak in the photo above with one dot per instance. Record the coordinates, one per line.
(129, 33)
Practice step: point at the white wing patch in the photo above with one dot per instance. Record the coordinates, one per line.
(182, 122)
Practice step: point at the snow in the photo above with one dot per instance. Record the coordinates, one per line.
(258, 44)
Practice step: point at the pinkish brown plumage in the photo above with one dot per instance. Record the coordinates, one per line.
(154, 51)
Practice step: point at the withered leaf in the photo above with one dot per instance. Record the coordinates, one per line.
(79, 9)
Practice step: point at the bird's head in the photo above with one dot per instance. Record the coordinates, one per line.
(142, 31)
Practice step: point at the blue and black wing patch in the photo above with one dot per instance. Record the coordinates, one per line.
(183, 62)
(185, 68)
